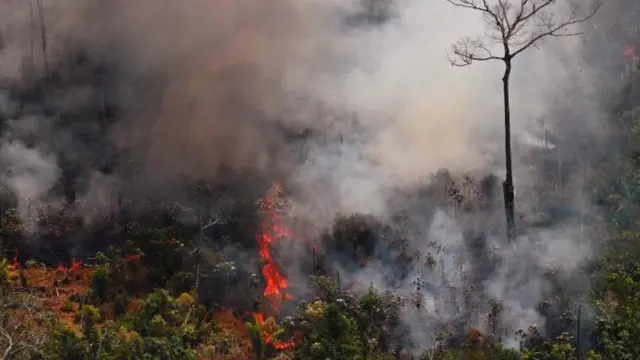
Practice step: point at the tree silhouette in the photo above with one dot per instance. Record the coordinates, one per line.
(515, 26)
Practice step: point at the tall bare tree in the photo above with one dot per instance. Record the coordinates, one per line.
(512, 27)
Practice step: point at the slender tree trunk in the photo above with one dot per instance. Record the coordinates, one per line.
(200, 236)
(31, 44)
(43, 37)
(507, 185)
(578, 333)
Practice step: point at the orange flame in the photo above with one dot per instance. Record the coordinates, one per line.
(75, 265)
(267, 336)
(133, 257)
(272, 229)
(15, 264)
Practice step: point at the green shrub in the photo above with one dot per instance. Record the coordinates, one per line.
(185, 300)
(120, 303)
(100, 282)
(88, 315)
(102, 259)
(89, 297)
(4, 271)
(67, 306)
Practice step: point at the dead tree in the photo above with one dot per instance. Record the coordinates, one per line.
(514, 26)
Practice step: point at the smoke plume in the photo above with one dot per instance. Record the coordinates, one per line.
(354, 110)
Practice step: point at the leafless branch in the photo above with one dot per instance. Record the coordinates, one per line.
(213, 220)
(515, 25)
(18, 336)
(9, 347)
(430, 352)
(468, 50)
(548, 27)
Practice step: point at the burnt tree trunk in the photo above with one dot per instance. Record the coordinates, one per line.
(507, 185)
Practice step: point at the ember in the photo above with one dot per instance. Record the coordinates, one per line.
(630, 53)
(133, 257)
(15, 264)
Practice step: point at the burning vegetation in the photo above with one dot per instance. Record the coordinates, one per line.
(140, 218)
(271, 230)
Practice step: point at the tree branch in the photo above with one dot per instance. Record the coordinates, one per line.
(508, 23)
(556, 30)
(7, 351)
(482, 6)
(16, 330)
(468, 50)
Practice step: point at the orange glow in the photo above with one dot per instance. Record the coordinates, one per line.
(75, 265)
(630, 53)
(267, 336)
(15, 264)
(271, 230)
(133, 257)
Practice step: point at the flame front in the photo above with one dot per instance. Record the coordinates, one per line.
(271, 230)
(133, 257)
(15, 263)
(267, 336)
(75, 265)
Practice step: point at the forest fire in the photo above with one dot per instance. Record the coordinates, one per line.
(271, 230)
(75, 265)
(15, 264)
(267, 336)
(133, 257)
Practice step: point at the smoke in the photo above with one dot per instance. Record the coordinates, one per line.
(29, 174)
(420, 115)
(213, 85)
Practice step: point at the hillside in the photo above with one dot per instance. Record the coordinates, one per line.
(234, 180)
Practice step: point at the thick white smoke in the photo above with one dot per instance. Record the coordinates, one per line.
(421, 114)
(204, 84)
